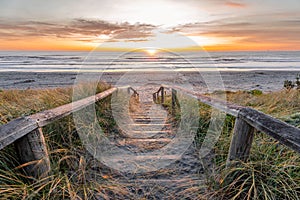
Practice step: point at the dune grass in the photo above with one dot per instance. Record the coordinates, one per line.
(279, 104)
(273, 171)
(75, 174)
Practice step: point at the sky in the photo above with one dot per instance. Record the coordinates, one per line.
(221, 25)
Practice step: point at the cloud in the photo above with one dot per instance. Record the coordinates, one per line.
(76, 29)
(243, 27)
(247, 29)
(234, 4)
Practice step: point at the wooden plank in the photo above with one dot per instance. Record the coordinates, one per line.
(48, 116)
(156, 94)
(33, 154)
(281, 131)
(150, 132)
(241, 141)
(21, 126)
(154, 97)
(139, 124)
(162, 95)
(143, 158)
(173, 100)
(158, 90)
(135, 93)
(144, 140)
(16, 129)
(229, 108)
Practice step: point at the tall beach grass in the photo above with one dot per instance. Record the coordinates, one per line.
(273, 171)
(75, 174)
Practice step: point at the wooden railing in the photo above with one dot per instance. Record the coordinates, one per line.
(135, 93)
(26, 133)
(247, 121)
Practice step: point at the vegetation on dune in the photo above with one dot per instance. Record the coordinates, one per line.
(16, 103)
(271, 173)
(75, 174)
(278, 104)
(288, 84)
(273, 170)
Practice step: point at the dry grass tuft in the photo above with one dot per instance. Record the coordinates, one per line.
(278, 104)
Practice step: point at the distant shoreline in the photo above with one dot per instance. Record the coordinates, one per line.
(265, 80)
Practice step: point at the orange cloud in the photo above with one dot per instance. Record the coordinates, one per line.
(76, 30)
(235, 4)
(247, 33)
(225, 34)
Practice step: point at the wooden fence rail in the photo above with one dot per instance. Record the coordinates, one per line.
(135, 93)
(26, 133)
(247, 121)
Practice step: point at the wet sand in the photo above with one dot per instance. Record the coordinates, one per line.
(232, 80)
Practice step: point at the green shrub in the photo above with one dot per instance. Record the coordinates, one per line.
(256, 92)
(288, 84)
(297, 83)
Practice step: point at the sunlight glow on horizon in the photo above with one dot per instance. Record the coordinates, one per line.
(228, 25)
(151, 52)
(160, 40)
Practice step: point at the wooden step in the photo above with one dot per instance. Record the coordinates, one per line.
(142, 158)
(146, 115)
(149, 124)
(188, 179)
(153, 118)
(158, 115)
(143, 144)
(151, 132)
(149, 120)
(147, 134)
(143, 140)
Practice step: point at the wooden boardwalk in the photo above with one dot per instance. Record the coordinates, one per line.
(153, 172)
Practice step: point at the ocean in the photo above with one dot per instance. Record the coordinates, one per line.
(61, 61)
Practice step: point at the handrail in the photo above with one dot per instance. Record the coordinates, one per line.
(285, 133)
(26, 133)
(158, 90)
(129, 88)
(156, 94)
(21, 126)
(135, 93)
(247, 120)
(227, 107)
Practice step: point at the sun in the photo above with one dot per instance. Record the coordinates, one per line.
(151, 52)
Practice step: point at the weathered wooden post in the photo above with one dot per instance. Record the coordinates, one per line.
(173, 101)
(33, 153)
(241, 141)
(154, 97)
(162, 95)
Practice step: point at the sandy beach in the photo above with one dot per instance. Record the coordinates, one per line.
(232, 80)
